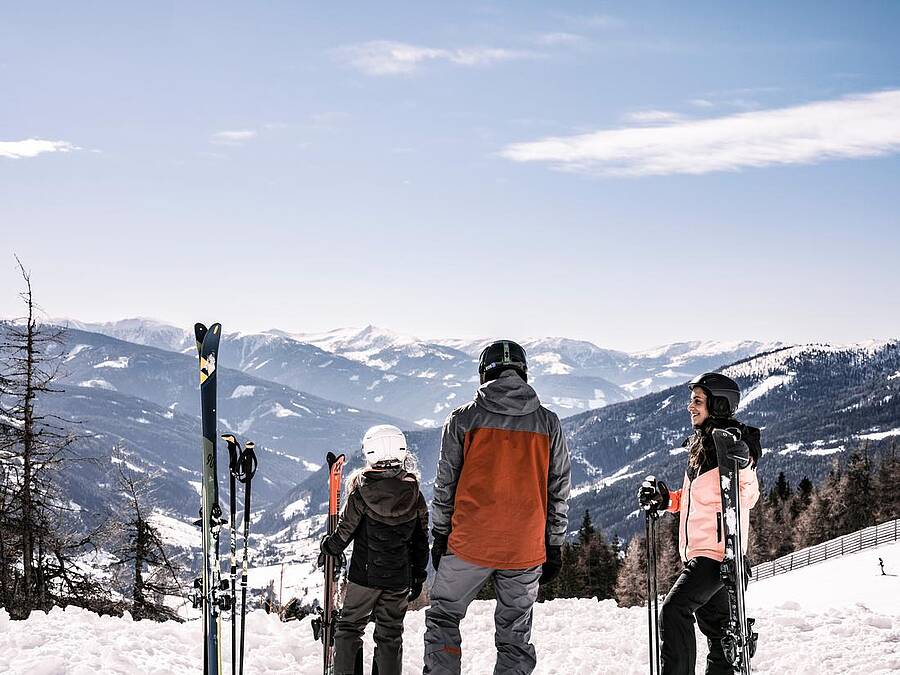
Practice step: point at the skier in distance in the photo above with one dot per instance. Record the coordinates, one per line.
(699, 590)
(386, 517)
(499, 512)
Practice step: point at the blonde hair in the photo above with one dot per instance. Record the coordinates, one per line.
(357, 478)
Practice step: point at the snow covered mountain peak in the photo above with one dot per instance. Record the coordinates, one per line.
(139, 330)
(680, 352)
(356, 340)
(778, 360)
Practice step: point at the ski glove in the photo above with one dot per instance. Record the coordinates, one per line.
(438, 548)
(552, 566)
(325, 550)
(653, 495)
(739, 452)
(415, 589)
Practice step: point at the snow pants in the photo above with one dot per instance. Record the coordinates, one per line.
(699, 592)
(388, 609)
(456, 584)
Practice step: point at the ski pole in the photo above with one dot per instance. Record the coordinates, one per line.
(652, 595)
(234, 448)
(247, 468)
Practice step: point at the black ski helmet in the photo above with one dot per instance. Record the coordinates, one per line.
(722, 392)
(499, 356)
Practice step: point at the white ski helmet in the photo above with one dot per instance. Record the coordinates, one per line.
(384, 443)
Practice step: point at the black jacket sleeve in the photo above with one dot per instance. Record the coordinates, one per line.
(418, 545)
(346, 528)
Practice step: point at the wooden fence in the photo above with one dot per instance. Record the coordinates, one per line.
(849, 543)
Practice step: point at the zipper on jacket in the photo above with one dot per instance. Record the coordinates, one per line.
(687, 516)
(718, 527)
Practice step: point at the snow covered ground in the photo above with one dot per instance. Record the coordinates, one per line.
(838, 617)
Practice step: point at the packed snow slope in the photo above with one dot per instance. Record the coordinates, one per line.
(841, 616)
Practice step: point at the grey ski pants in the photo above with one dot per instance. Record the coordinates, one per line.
(456, 584)
(388, 609)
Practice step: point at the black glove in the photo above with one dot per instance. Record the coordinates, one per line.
(415, 589)
(739, 452)
(438, 548)
(653, 495)
(552, 566)
(325, 550)
(735, 449)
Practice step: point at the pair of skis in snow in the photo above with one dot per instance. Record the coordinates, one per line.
(325, 623)
(739, 639)
(210, 589)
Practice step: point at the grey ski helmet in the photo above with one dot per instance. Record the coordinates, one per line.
(499, 356)
(722, 392)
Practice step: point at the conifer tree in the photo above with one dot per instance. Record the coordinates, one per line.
(886, 487)
(854, 508)
(800, 500)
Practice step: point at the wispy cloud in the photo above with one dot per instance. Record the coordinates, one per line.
(560, 39)
(744, 98)
(591, 21)
(383, 57)
(234, 137)
(603, 21)
(32, 147)
(652, 116)
(865, 125)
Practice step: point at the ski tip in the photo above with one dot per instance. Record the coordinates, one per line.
(331, 458)
(215, 329)
(229, 438)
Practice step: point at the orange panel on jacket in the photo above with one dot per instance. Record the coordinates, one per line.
(500, 514)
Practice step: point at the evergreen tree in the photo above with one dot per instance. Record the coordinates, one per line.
(764, 539)
(815, 524)
(568, 583)
(599, 567)
(586, 531)
(886, 487)
(782, 489)
(800, 500)
(853, 507)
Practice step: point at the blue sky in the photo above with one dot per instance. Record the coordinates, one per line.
(633, 174)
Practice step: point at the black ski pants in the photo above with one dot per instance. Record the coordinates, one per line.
(699, 592)
(388, 609)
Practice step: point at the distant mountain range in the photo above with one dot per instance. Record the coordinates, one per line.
(814, 404)
(421, 380)
(133, 385)
(145, 401)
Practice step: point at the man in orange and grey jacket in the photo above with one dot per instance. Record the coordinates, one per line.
(499, 512)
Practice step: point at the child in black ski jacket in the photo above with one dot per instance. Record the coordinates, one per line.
(386, 517)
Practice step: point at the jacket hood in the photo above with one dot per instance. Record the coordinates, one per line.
(390, 493)
(509, 394)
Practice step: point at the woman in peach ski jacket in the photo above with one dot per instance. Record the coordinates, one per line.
(699, 590)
